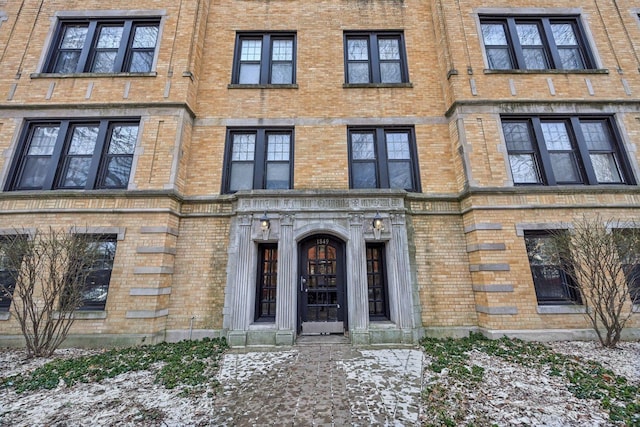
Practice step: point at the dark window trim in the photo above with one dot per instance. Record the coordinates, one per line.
(51, 181)
(123, 57)
(374, 60)
(550, 49)
(381, 160)
(260, 155)
(569, 289)
(265, 66)
(585, 167)
(259, 315)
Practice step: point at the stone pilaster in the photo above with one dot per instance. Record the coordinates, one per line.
(357, 281)
(287, 295)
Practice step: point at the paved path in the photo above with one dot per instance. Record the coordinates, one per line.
(324, 384)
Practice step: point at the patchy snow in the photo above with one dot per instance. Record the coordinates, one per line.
(338, 385)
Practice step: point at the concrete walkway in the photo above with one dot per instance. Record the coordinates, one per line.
(323, 383)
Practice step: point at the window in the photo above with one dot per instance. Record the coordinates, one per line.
(72, 154)
(535, 43)
(377, 282)
(98, 273)
(565, 150)
(267, 283)
(552, 284)
(103, 46)
(262, 59)
(629, 254)
(383, 158)
(258, 159)
(11, 255)
(375, 58)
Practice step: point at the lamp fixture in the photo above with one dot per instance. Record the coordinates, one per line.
(265, 224)
(378, 225)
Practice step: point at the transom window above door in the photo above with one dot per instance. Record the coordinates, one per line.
(260, 158)
(535, 43)
(375, 58)
(265, 59)
(103, 46)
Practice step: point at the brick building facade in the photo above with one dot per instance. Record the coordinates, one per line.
(235, 154)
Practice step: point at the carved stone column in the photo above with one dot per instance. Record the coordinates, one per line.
(243, 287)
(357, 282)
(401, 276)
(287, 291)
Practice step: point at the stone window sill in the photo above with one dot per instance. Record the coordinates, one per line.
(90, 75)
(5, 315)
(561, 309)
(86, 315)
(375, 85)
(549, 71)
(250, 86)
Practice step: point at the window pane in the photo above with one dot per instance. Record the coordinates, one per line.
(556, 136)
(34, 172)
(571, 59)
(517, 136)
(398, 146)
(277, 176)
(282, 73)
(250, 50)
(605, 167)
(244, 147)
(493, 34)
(67, 62)
(358, 72)
(534, 59)
(241, 176)
(596, 136)
(77, 172)
(278, 147)
(524, 169)
(117, 173)
(563, 34)
(109, 38)
(43, 140)
(499, 59)
(74, 37)
(104, 62)
(390, 72)
(400, 175)
(141, 62)
(282, 50)
(358, 49)
(389, 49)
(145, 37)
(249, 74)
(83, 141)
(364, 175)
(123, 139)
(362, 146)
(564, 167)
(529, 35)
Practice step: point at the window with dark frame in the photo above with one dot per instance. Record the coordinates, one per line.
(96, 283)
(267, 283)
(75, 154)
(552, 284)
(265, 59)
(629, 255)
(377, 282)
(10, 258)
(535, 43)
(383, 158)
(103, 46)
(558, 150)
(258, 159)
(375, 57)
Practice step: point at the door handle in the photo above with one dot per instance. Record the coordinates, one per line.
(303, 281)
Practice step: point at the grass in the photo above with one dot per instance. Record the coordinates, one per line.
(188, 365)
(586, 379)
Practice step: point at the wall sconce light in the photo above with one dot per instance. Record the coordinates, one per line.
(265, 225)
(378, 225)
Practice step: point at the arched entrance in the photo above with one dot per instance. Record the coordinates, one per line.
(322, 302)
